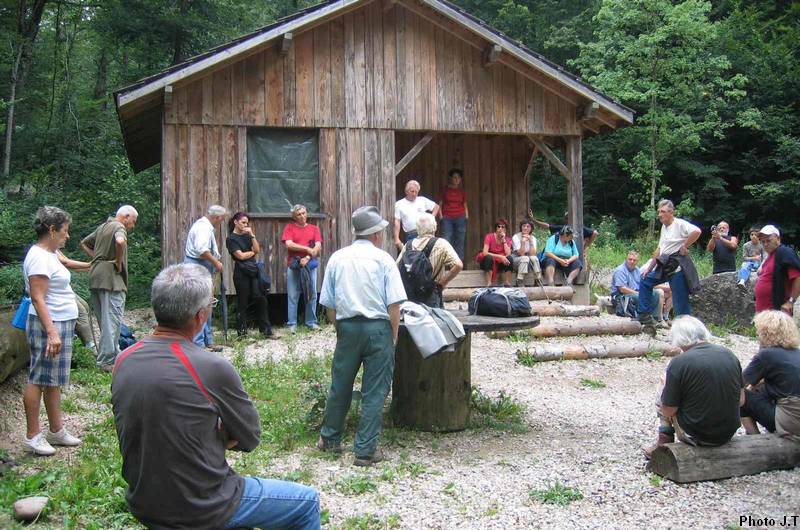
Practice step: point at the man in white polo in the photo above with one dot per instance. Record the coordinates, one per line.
(406, 211)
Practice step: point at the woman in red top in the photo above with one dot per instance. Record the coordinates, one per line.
(494, 258)
(453, 210)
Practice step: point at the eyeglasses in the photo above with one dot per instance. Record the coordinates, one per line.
(214, 302)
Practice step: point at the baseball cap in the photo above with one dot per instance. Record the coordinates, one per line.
(769, 230)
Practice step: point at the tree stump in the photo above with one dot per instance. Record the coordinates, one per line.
(431, 394)
(743, 455)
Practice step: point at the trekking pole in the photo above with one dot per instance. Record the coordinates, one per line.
(544, 290)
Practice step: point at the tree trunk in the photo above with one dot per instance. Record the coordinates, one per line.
(101, 83)
(623, 350)
(564, 310)
(579, 327)
(28, 21)
(179, 42)
(743, 455)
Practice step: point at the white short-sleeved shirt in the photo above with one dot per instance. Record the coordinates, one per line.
(407, 211)
(59, 298)
(361, 281)
(674, 236)
(516, 243)
(201, 238)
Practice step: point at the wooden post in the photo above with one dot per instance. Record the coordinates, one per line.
(431, 394)
(575, 189)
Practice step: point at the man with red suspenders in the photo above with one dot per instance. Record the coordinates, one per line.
(177, 409)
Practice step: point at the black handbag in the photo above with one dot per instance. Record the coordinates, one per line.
(248, 267)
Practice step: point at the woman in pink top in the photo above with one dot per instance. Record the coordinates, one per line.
(495, 256)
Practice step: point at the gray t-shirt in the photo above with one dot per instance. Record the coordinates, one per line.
(173, 453)
(705, 383)
(753, 249)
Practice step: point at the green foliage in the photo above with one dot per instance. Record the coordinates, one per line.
(557, 494)
(356, 485)
(501, 413)
(593, 383)
(371, 522)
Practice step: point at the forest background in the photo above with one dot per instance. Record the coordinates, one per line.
(715, 86)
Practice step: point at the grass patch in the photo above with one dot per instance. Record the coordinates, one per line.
(655, 481)
(653, 355)
(557, 494)
(515, 336)
(356, 485)
(501, 413)
(593, 383)
(526, 358)
(371, 522)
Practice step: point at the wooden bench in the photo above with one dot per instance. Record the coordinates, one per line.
(743, 455)
(472, 279)
(434, 394)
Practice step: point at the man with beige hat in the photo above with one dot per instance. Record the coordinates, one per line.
(363, 291)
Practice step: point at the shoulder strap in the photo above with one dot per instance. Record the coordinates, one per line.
(429, 247)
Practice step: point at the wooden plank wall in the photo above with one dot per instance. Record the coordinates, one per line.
(376, 68)
(206, 164)
(494, 177)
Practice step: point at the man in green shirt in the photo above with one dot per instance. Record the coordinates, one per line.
(108, 279)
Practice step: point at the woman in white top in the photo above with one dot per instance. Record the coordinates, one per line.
(523, 252)
(50, 328)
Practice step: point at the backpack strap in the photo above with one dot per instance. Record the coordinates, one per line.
(429, 247)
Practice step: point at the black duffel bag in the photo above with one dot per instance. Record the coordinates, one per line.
(499, 302)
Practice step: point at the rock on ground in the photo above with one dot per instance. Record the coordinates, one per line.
(29, 508)
(721, 302)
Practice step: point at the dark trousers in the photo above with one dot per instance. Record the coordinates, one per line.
(759, 406)
(249, 299)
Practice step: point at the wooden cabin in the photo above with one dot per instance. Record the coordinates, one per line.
(339, 105)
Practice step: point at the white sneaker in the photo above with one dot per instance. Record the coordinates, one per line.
(38, 445)
(62, 437)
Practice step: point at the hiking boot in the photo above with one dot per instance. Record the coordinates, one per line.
(663, 438)
(366, 461)
(648, 325)
(214, 348)
(327, 446)
(742, 285)
(62, 437)
(38, 445)
(107, 368)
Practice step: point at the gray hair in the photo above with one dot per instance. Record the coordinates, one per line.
(126, 210)
(297, 207)
(667, 203)
(216, 209)
(426, 224)
(412, 183)
(50, 217)
(179, 292)
(686, 331)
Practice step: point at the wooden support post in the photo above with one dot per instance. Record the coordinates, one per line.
(575, 189)
(168, 95)
(551, 157)
(743, 455)
(286, 43)
(412, 154)
(491, 55)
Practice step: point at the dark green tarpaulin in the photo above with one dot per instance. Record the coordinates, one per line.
(282, 170)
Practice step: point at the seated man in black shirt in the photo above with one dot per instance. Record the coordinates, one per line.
(702, 389)
(177, 409)
(772, 396)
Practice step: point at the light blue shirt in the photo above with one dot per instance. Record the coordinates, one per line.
(623, 277)
(361, 281)
(561, 250)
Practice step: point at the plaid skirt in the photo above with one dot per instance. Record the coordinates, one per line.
(46, 370)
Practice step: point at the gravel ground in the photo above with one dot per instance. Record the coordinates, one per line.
(586, 439)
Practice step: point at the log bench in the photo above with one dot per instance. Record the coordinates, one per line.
(434, 394)
(743, 455)
(468, 280)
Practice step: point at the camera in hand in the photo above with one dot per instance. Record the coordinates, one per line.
(713, 228)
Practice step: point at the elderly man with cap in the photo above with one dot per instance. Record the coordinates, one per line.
(778, 284)
(363, 291)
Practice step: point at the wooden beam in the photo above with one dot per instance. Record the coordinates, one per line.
(531, 162)
(551, 157)
(574, 156)
(588, 111)
(589, 124)
(168, 95)
(491, 55)
(412, 153)
(286, 43)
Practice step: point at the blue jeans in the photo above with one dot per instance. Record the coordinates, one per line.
(680, 294)
(204, 337)
(747, 268)
(293, 294)
(270, 503)
(454, 230)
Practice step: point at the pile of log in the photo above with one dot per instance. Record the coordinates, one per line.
(623, 350)
(563, 292)
(578, 327)
(743, 455)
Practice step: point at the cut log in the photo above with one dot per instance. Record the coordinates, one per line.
(431, 394)
(14, 354)
(579, 327)
(567, 352)
(534, 293)
(565, 310)
(743, 455)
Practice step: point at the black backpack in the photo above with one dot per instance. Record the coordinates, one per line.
(416, 272)
(499, 302)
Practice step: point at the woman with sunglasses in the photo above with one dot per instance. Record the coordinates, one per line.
(495, 259)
